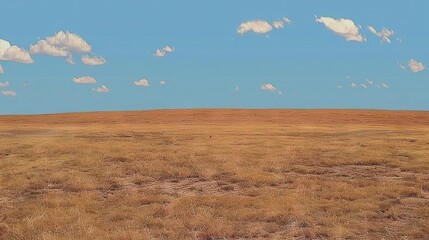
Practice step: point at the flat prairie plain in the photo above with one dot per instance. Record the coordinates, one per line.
(215, 174)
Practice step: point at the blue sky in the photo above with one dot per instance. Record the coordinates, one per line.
(222, 54)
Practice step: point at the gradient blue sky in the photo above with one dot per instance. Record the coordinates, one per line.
(310, 64)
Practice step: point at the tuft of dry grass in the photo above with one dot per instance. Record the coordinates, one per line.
(215, 174)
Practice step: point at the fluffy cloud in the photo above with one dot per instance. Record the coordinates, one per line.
(353, 85)
(62, 44)
(102, 89)
(384, 34)
(13, 53)
(278, 24)
(260, 26)
(343, 27)
(5, 84)
(268, 87)
(168, 49)
(1, 69)
(142, 83)
(9, 93)
(86, 59)
(162, 82)
(416, 66)
(85, 80)
(43, 47)
(287, 20)
(281, 23)
(256, 26)
(161, 52)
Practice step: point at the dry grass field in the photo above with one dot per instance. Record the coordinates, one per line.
(215, 174)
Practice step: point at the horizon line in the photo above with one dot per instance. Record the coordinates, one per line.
(217, 109)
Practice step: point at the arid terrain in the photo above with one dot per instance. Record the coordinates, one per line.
(215, 174)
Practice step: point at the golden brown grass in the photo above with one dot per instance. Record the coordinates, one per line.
(215, 174)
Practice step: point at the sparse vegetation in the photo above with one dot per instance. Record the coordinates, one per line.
(215, 174)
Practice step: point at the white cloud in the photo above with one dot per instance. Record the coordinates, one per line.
(343, 27)
(102, 89)
(13, 53)
(278, 24)
(1, 69)
(384, 34)
(372, 29)
(5, 84)
(401, 66)
(416, 66)
(161, 52)
(62, 44)
(142, 83)
(281, 23)
(69, 59)
(287, 20)
(260, 26)
(86, 59)
(268, 87)
(43, 47)
(168, 49)
(162, 82)
(280, 92)
(368, 84)
(339, 86)
(9, 93)
(85, 80)
(256, 26)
